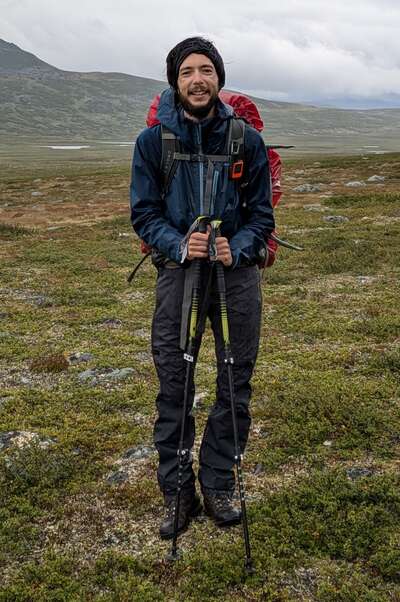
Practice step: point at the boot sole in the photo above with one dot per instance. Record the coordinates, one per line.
(193, 513)
(227, 523)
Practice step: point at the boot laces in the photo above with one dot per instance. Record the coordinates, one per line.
(170, 506)
(170, 509)
(222, 500)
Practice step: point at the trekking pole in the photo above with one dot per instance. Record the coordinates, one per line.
(285, 243)
(274, 146)
(135, 269)
(228, 360)
(184, 454)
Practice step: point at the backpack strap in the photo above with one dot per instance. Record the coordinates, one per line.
(170, 145)
(234, 153)
(235, 148)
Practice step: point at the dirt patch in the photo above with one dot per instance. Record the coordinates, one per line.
(60, 202)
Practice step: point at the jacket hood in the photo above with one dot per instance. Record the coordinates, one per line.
(172, 116)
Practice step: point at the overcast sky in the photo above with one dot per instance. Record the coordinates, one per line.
(342, 52)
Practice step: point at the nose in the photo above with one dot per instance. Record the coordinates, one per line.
(197, 76)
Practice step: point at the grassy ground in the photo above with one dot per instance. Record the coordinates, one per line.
(79, 517)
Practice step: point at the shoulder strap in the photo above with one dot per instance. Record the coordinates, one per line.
(235, 147)
(170, 145)
(235, 142)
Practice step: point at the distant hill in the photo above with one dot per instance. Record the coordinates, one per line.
(41, 101)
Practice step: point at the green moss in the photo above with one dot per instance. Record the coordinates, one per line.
(325, 396)
(364, 199)
(329, 515)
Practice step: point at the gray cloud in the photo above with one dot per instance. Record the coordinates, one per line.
(304, 51)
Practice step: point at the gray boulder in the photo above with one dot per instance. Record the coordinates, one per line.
(376, 179)
(139, 452)
(121, 374)
(3, 400)
(79, 357)
(95, 375)
(304, 188)
(358, 472)
(111, 322)
(142, 333)
(259, 469)
(118, 478)
(23, 438)
(317, 208)
(127, 467)
(87, 375)
(143, 357)
(355, 184)
(335, 219)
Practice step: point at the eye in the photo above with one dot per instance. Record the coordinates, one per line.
(185, 72)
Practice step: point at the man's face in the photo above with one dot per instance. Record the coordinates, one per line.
(198, 85)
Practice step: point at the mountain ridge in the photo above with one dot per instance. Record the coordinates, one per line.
(40, 100)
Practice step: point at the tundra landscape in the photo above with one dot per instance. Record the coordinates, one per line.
(79, 504)
(79, 501)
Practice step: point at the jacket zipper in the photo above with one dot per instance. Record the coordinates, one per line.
(201, 169)
(214, 193)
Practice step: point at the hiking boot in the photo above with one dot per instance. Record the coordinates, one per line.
(218, 505)
(189, 507)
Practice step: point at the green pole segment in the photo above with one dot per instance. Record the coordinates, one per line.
(229, 361)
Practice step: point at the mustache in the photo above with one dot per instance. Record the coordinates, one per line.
(198, 89)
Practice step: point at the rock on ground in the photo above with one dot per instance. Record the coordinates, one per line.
(95, 375)
(316, 207)
(376, 179)
(336, 219)
(22, 438)
(111, 322)
(304, 188)
(130, 464)
(357, 472)
(79, 357)
(355, 184)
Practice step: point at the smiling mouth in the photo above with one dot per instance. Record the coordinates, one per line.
(199, 93)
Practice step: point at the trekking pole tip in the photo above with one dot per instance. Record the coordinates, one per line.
(174, 555)
(249, 568)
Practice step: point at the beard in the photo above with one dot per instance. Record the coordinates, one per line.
(195, 111)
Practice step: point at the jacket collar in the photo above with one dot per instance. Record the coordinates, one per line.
(172, 116)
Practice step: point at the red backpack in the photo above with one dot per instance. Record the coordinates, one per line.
(245, 109)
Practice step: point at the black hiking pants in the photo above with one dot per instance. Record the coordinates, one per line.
(216, 458)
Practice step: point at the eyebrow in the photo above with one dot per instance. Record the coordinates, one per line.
(204, 66)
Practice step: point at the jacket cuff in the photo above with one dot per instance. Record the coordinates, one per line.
(235, 260)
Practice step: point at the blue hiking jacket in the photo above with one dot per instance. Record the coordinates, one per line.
(246, 212)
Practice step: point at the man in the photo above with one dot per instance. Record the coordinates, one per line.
(191, 110)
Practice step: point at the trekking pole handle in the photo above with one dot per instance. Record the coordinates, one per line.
(203, 226)
(195, 304)
(212, 247)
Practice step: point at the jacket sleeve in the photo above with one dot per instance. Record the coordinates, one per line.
(248, 241)
(147, 216)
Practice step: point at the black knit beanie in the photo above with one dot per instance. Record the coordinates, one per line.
(199, 45)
